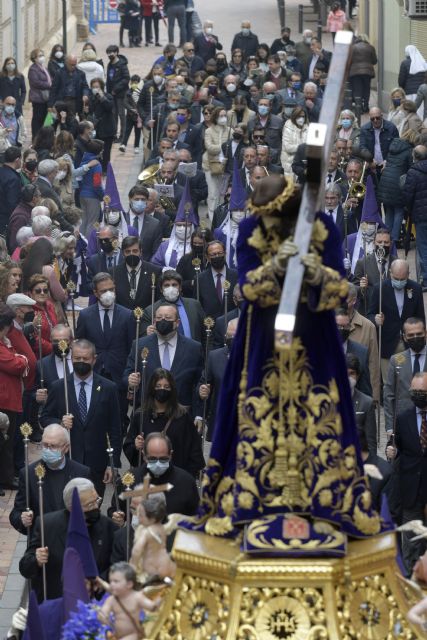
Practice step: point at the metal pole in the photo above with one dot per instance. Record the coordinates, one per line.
(15, 31)
(64, 26)
(300, 18)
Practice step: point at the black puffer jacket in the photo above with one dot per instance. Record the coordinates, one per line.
(415, 191)
(399, 160)
(409, 81)
(118, 77)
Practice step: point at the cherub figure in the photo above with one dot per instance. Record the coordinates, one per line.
(122, 609)
(149, 555)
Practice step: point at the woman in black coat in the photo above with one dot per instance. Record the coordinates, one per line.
(101, 113)
(162, 413)
(56, 60)
(12, 83)
(399, 160)
(412, 71)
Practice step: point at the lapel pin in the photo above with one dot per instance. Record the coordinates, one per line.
(98, 388)
(409, 292)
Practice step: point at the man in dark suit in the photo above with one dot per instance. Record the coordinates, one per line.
(218, 338)
(149, 229)
(69, 85)
(367, 272)
(171, 350)
(210, 386)
(403, 366)
(410, 447)
(47, 170)
(378, 486)
(211, 281)
(334, 209)
(101, 533)
(318, 54)
(190, 312)
(363, 405)
(53, 367)
(133, 277)
(350, 346)
(59, 470)
(206, 44)
(109, 256)
(264, 160)
(183, 497)
(402, 298)
(111, 328)
(93, 413)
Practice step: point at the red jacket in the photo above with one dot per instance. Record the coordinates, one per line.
(22, 346)
(147, 7)
(49, 320)
(12, 369)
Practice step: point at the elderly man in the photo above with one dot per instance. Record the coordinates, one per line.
(47, 170)
(333, 209)
(13, 123)
(245, 40)
(312, 102)
(59, 468)
(402, 298)
(100, 529)
(229, 92)
(42, 227)
(270, 91)
(272, 124)
(155, 209)
(376, 136)
(69, 85)
(206, 44)
(303, 48)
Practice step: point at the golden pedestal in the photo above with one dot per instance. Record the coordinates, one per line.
(222, 594)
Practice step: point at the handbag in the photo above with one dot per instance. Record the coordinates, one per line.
(45, 94)
(216, 167)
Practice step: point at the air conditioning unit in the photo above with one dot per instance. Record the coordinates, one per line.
(416, 8)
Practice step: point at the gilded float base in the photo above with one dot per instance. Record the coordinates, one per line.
(222, 594)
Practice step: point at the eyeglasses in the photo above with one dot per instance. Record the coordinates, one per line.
(52, 447)
(376, 118)
(258, 137)
(216, 255)
(188, 50)
(155, 459)
(41, 291)
(92, 505)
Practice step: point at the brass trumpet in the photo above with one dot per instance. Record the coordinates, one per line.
(358, 189)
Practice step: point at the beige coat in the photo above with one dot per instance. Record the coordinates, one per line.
(364, 332)
(214, 137)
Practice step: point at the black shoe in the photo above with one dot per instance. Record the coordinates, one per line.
(2, 492)
(12, 486)
(158, 44)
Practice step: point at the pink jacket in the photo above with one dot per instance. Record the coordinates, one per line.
(336, 20)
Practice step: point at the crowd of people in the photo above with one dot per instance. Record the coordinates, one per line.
(140, 368)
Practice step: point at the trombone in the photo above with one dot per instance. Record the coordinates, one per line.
(357, 189)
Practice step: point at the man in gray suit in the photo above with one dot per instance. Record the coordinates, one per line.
(366, 281)
(149, 229)
(190, 311)
(403, 366)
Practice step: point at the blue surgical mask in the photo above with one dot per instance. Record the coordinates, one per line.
(397, 101)
(172, 106)
(9, 109)
(138, 206)
(296, 85)
(158, 468)
(270, 96)
(346, 123)
(245, 31)
(52, 457)
(181, 118)
(398, 284)
(263, 110)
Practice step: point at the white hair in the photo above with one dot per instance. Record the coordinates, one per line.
(46, 167)
(41, 225)
(40, 210)
(154, 194)
(334, 188)
(23, 235)
(81, 484)
(58, 428)
(311, 85)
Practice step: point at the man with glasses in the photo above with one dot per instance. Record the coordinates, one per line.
(60, 469)
(170, 349)
(100, 529)
(212, 280)
(250, 157)
(376, 136)
(193, 63)
(13, 123)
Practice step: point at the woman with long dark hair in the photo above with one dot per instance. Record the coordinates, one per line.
(40, 260)
(163, 413)
(12, 83)
(43, 143)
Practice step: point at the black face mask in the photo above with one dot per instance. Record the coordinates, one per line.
(132, 261)
(237, 136)
(58, 351)
(196, 250)
(162, 395)
(220, 65)
(419, 398)
(164, 327)
(212, 90)
(416, 344)
(344, 333)
(111, 56)
(385, 249)
(92, 516)
(218, 263)
(82, 368)
(106, 246)
(29, 316)
(31, 165)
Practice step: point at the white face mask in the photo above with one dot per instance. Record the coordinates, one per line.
(41, 59)
(237, 216)
(135, 522)
(352, 382)
(222, 120)
(180, 233)
(208, 30)
(157, 79)
(61, 175)
(59, 55)
(107, 298)
(300, 121)
(171, 293)
(231, 87)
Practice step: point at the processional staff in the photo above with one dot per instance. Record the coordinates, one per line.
(138, 315)
(209, 324)
(26, 431)
(226, 291)
(71, 288)
(380, 252)
(63, 347)
(144, 356)
(40, 472)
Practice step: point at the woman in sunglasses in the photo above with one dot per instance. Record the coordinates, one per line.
(44, 309)
(163, 413)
